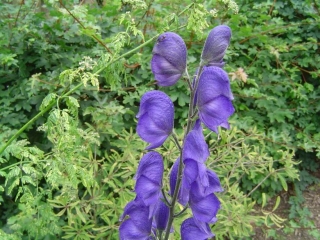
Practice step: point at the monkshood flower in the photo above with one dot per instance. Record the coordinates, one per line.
(169, 59)
(192, 229)
(214, 98)
(216, 45)
(204, 207)
(155, 118)
(149, 180)
(195, 152)
(138, 225)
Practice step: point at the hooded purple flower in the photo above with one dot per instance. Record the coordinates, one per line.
(195, 152)
(169, 59)
(149, 179)
(216, 45)
(195, 146)
(214, 98)
(204, 207)
(192, 229)
(138, 225)
(156, 115)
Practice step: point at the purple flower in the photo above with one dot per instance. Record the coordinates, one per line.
(192, 229)
(169, 59)
(216, 45)
(214, 184)
(156, 115)
(138, 225)
(195, 146)
(204, 207)
(214, 98)
(149, 179)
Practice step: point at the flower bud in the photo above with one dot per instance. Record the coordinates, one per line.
(169, 59)
(216, 45)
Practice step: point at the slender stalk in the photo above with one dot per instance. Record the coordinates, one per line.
(179, 177)
(182, 211)
(175, 139)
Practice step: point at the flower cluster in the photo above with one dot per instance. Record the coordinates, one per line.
(192, 184)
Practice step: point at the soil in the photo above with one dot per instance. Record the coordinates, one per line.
(312, 202)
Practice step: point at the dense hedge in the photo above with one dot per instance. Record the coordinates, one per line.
(69, 173)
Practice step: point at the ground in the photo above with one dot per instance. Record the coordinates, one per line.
(312, 202)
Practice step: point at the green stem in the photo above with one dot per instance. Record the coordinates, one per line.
(179, 175)
(46, 109)
(18, 163)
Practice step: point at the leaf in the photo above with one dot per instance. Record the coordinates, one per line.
(264, 200)
(283, 182)
(277, 203)
(49, 99)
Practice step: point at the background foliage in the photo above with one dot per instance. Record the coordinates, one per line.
(69, 174)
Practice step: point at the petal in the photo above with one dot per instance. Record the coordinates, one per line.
(150, 132)
(172, 47)
(216, 45)
(169, 58)
(147, 190)
(216, 112)
(203, 176)
(151, 166)
(214, 182)
(205, 208)
(190, 172)
(213, 82)
(173, 176)
(155, 118)
(195, 146)
(165, 73)
(129, 231)
(139, 215)
(161, 216)
(190, 230)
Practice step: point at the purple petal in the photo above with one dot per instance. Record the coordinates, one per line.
(216, 112)
(169, 59)
(156, 115)
(149, 178)
(190, 172)
(203, 176)
(195, 146)
(151, 166)
(165, 73)
(147, 190)
(216, 45)
(190, 230)
(139, 217)
(213, 82)
(128, 230)
(214, 182)
(204, 208)
(161, 216)
(173, 176)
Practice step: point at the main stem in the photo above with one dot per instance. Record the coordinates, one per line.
(179, 177)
